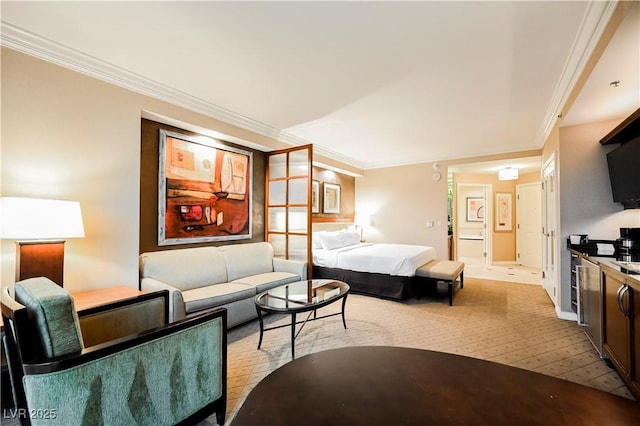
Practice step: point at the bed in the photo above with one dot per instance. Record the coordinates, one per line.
(377, 269)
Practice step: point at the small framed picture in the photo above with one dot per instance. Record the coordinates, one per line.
(504, 212)
(331, 198)
(475, 209)
(315, 196)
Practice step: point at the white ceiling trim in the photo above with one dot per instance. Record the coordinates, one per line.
(31, 44)
(593, 26)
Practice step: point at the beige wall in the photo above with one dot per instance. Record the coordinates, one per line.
(69, 136)
(401, 200)
(529, 178)
(586, 202)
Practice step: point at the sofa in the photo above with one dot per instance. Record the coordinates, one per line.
(229, 276)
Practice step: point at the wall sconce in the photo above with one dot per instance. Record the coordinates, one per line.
(361, 220)
(40, 226)
(508, 173)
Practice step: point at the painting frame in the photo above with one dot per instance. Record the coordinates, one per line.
(331, 198)
(315, 196)
(475, 209)
(504, 212)
(204, 190)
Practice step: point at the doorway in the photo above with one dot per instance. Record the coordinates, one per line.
(474, 215)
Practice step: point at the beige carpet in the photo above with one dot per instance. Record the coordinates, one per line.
(509, 323)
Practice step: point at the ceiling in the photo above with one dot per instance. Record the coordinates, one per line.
(372, 84)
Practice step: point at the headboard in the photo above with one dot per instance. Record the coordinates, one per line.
(330, 226)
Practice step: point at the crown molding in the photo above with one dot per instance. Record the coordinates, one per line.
(594, 23)
(337, 156)
(593, 26)
(34, 45)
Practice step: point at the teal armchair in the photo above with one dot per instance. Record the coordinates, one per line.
(118, 364)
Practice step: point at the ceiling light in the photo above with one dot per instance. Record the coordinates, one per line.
(508, 173)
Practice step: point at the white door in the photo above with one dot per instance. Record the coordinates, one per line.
(549, 255)
(488, 225)
(529, 224)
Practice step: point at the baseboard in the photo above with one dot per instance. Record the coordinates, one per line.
(569, 316)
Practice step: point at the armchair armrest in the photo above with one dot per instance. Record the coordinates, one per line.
(176, 301)
(171, 374)
(291, 266)
(124, 317)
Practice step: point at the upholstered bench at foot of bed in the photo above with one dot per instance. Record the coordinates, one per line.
(447, 271)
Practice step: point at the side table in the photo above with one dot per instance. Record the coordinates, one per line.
(91, 298)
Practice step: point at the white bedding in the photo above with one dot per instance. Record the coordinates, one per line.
(392, 259)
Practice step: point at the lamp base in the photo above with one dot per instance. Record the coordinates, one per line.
(40, 259)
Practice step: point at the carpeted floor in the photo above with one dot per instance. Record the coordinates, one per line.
(509, 323)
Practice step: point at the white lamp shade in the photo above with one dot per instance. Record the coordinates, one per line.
(40, 219)
(362, 219)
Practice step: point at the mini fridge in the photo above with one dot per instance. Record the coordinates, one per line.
(590, 301)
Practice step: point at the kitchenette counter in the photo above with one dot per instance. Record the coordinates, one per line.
(630, 269)
(607, 287)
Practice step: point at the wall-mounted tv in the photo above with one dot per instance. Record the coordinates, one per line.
(624, 172)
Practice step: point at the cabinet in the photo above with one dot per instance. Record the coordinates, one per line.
(622, 326)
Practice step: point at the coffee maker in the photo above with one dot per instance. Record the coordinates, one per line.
(629, 244)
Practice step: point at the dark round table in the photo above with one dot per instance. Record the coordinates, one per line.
(381, 385)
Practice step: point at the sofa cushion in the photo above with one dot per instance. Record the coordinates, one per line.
(211, 296)
(266, 281)
(185, 269)
(244, 260)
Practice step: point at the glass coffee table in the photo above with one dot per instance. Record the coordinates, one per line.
(299, 297)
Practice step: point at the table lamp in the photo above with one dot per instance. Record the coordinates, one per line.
(361, 220)
(40, 226)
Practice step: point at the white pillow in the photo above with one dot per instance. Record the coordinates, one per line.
(350, 238)
(330, 240)
(315, 240)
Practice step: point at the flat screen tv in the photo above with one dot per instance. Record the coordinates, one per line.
(624, 172)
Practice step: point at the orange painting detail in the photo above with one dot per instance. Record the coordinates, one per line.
(204, 191)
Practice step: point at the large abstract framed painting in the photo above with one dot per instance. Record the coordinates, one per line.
(204, 190)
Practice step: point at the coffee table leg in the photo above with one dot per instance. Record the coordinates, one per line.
(344, 302)
(293, 336)
(261, 326)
